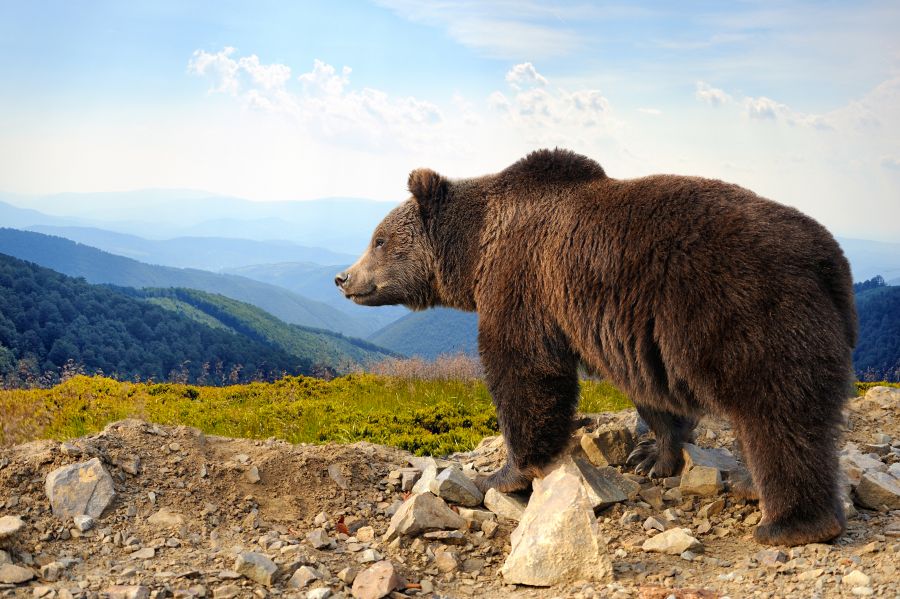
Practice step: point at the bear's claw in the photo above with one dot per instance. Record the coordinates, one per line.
(648, 460)
(507, 480)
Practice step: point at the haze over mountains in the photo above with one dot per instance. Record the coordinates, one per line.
(278, 256)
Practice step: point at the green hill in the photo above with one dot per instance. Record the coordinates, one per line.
(97, 266)
(877, 355)
(430, 333)
(323, 348)
(49, 320)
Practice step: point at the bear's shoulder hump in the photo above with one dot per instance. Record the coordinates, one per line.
(554, 167)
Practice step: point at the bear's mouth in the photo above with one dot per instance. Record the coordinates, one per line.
(361, 294)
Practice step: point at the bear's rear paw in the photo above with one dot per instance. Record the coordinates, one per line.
(508, 480)
(792, 532)
(647, 459)
(742, 486)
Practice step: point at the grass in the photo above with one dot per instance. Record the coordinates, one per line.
(427, 417)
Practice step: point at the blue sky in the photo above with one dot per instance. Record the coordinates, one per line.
(274, 100)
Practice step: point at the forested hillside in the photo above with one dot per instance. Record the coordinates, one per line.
(49, 320)
(97, 266)
(877, 355)
(325, 348)
(430, 333)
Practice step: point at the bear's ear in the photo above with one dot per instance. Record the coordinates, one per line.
(429, 189)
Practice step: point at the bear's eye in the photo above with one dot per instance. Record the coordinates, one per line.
(379, 243)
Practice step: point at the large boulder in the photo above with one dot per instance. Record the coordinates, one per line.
(421, 513)
(83, 488)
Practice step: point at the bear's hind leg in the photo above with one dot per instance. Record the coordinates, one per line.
(794, 467)
(661, 457)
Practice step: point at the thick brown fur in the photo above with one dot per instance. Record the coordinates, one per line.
(692, 295)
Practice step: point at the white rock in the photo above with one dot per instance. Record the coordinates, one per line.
(420, 513)
(318, 538)
(319, 593)
(255, 566)
(558, 539)
(423, 485)
(455, 487)
(504, 505)
(376, 581)
(83, 522)
(475, 515)
(674, 541)
(10, 574)
(10, 526)
(84, 488)
(856, 579)
(701, 480)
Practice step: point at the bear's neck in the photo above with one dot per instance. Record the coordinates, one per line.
(456, 239)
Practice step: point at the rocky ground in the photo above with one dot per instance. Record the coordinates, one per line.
(142, 511)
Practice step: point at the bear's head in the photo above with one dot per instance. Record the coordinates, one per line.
(399, 265)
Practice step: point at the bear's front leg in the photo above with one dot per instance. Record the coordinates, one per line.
(535, 397)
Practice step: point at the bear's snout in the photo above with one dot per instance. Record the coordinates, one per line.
(341, 278)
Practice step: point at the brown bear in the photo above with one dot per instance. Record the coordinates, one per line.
(690, 294)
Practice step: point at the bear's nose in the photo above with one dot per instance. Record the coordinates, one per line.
(341, 278)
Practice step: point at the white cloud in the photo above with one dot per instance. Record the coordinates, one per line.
(890, 162)
(525, 75)
(711, 95)
(764, 108)
(325, 104)
(650, 111)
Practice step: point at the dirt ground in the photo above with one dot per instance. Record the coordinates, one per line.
(211, 482)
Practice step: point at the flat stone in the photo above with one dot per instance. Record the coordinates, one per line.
(609, 445)
(127, 592)
(701, 480)
(602, 485)
(504, 505)
(450, 537)
(446, 561)
(852, 457)
(476, 515)
(166, 519)
(11, 574)
(421, 513)
(654, 496)
(455, 487)
(711, 509)
(558, 539)
(10, 526)
(674, 541)
(770, 557)
(376, 581)
(144, 553)
(227, 591)
(319, 593)
(255, 566)
(303, 576)
(878, 491)
(719, 459)
(83, 488)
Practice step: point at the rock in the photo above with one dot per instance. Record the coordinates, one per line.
(337, 475)
(609, 445)
(4, 558)
(446, 561)
(887, 397)
(420, 513)
(602, 485)
(251, 475)
(227, 591)
(83, 488)
(11, 574)
(654, 496)
(129, 463)
(878, 490)
(429, 473)
(558, 539)
(365, 534)
(318, 538)
(453, 486)
(376, 581)
(166, 519)
(10, 526)
(855, 579)
(409, 477)
(368, 556)
(852, 457)
(319, 593)
(674, 541)
(145, 553)
(720, 459)
(894, 470)
(504, 505)
(127, 592)
(652, 523)
(701, 480)
(348, 575)
(303, 576)
(255, 566)
(711, 509)
(83, 523)
(770, 557)
(489, 528)
(475, 515)
(450, 537)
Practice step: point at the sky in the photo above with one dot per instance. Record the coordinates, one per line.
(798, 101)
